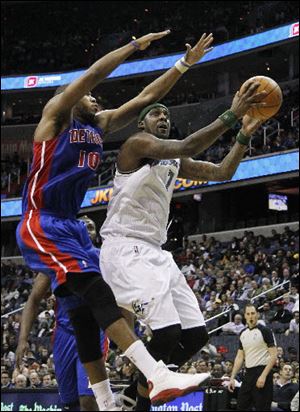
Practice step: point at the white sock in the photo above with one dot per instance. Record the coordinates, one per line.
(142, 359)
(104, 396)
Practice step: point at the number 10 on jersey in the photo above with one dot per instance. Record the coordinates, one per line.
(92, 159)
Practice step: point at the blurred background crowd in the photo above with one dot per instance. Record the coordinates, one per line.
(38, 50)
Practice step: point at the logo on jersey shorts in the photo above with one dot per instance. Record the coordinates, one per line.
(171, 162)
(140, 308)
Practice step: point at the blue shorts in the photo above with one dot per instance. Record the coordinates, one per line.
(56, 246)
(71, 376)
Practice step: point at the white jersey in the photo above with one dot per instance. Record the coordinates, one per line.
(140, 203)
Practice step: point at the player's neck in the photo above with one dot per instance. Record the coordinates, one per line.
(84, 120)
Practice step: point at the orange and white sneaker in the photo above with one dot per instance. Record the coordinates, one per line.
(165, 386)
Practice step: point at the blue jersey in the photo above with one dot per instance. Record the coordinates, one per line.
(62, 169)
(61, 316)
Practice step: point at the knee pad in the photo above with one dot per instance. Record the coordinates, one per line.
(98, 296)
(164, 341)
(193, 339)
(87, 334)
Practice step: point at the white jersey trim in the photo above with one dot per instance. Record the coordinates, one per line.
(37, 174)
(41, 247)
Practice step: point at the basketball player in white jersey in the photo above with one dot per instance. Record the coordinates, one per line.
(144, 278)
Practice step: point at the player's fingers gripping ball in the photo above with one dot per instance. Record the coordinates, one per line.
(272, 101)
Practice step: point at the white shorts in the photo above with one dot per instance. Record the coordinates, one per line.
(146, 281)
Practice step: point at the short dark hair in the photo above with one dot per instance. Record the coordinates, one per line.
(284, 364)
(250, 305)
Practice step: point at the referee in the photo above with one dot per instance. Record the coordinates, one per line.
(257, 347)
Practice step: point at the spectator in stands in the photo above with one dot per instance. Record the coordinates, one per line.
(280, 352)
(202, 366)
(228, 366)
(5, 380)
(241, 291)
(294, 293)
(20, 381)
(294, 325)
(275, 279)
(192, 370)
(254, 291)
(282, 315)
(43, 355)
(266, 285)
(7, 355)
(267, 314)
(288, 303)
(234, 327)
(284, 390)
(286, 275)
(34, 379)
(292, 354)
(210, 302)
(217, 371)
(46, 382)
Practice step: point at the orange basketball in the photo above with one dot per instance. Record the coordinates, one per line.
(273, 98)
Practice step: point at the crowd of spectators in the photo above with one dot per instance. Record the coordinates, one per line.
(13, 174)
(223, 275)
(103, 28)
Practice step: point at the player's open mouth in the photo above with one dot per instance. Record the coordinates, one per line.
(162, 126)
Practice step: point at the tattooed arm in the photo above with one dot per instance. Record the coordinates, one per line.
(199, 170)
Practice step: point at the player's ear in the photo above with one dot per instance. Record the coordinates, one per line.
(141, 125)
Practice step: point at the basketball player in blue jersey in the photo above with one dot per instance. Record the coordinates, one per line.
(71, 377)
(144, 278)
(67, 151)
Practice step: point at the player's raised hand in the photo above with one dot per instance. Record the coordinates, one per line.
(249, 98)
(193, 55)
(250, 125)
(146, 40)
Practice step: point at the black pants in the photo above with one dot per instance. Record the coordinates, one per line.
(249, 395)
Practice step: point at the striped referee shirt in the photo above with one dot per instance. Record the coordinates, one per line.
(255, 343)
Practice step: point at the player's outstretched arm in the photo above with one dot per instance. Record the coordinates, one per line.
(144, 145)
(30, 312)
(112, 120)
(63, 103)
(207, 171)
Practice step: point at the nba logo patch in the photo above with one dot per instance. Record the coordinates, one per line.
(31, 81)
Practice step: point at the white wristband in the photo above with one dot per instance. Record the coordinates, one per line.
(182, 66)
